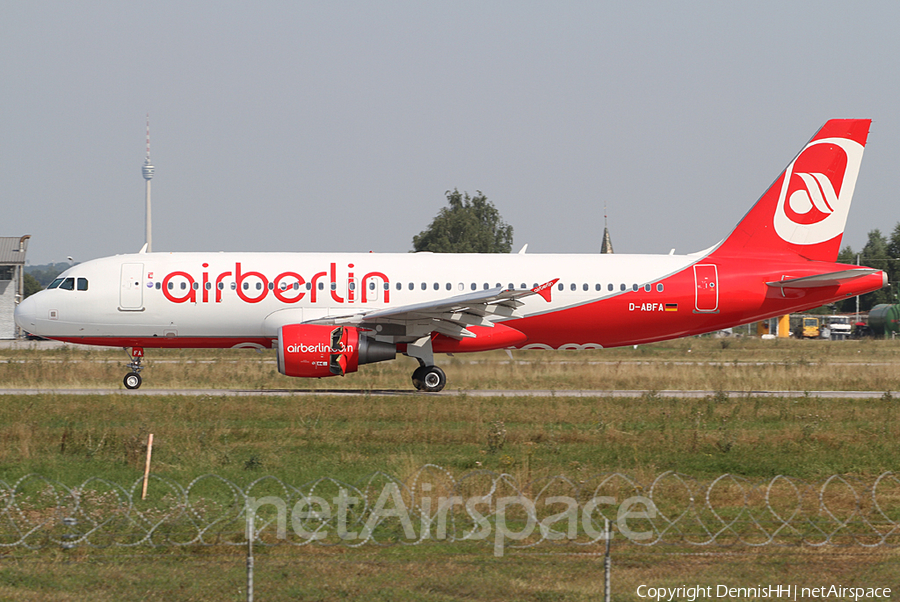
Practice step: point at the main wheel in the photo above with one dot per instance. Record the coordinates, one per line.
(434, 379)
(132, 380)
(418, 378)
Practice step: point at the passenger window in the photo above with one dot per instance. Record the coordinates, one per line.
(560, 286)
(597, 287)
(321, 286)
(584, 286)
(449, 287)
(55, 283)
(234, 286)
(647, 288)
(195, 286)
(622, 287)
(221, 286)
(610, 287)
(68, 284)
(82, 284)
(437, 286)
(399, 287)
(474, 286)
(659, 287)
(424, 286)
(159, 285)
(572, 286)
(371, 286)
(184, 285)
(634, 287)
(486, 286)
(272, 286)
(523, 286)
(387, 286)
(412, 286)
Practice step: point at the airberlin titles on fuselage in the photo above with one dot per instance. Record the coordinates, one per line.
(287, 287)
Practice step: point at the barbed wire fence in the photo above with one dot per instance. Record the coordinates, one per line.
(554, 514)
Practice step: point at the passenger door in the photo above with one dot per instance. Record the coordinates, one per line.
(131, 293)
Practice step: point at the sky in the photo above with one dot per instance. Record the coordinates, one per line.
(339, 126)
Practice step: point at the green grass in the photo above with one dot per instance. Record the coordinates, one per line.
(71, 438)
(696, 363)
(302, 437)
(411, 574)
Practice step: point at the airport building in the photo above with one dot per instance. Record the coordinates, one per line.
(12, 285)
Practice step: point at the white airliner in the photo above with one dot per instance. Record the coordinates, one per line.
(326, 314)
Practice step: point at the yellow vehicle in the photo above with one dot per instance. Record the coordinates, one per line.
(811, 328)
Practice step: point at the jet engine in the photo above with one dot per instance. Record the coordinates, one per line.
(317, 350)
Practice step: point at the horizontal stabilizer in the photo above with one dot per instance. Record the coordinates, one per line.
(830, 279)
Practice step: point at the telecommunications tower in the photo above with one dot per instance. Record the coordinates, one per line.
(148, 175)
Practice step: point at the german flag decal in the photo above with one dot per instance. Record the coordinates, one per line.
(671, 307)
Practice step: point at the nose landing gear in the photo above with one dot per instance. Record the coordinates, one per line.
(133, 379)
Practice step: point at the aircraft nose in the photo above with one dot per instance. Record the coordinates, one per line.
(25, 314)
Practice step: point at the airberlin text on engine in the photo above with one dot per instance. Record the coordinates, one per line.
(317, 348)
(287, 287)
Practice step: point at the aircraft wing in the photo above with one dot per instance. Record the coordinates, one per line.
(451, 316)
(829, 279)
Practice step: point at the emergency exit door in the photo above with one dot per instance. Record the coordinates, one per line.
(706, 291)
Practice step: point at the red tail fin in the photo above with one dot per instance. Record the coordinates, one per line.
(804, 211)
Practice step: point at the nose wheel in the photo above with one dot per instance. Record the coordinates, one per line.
(133, 379)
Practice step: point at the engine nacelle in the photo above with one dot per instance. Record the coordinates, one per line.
(317, 350)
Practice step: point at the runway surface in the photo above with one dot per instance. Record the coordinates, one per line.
(683, 394)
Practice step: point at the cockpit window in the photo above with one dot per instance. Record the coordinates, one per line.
(82, 284)
(68, 284)
(55, 283)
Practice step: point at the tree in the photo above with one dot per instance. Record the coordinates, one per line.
(875, 255)
(46, 273)
(31, 286)
(893, 247)
(466, 225)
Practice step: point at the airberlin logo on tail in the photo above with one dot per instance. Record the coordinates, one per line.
(816, 191)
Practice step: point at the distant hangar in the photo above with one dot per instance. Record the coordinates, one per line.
(12, 285)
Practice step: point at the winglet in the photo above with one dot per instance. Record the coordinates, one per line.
(545, 289)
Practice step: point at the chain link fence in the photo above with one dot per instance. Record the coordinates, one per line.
(551, 514)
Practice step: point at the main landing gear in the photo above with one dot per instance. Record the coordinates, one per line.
(430, 379)
(133, 380)
(427, 377)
